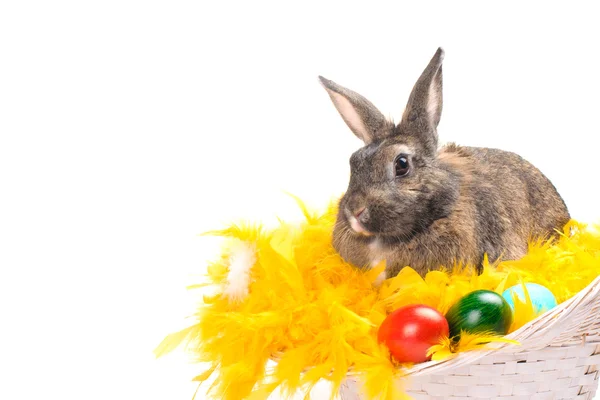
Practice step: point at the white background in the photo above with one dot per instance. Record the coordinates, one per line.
(128, 127)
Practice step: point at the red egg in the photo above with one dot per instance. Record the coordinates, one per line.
(411, 330)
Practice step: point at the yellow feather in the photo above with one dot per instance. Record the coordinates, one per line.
(174, 340)
(205, 375)
(447, 348)
(320, 315)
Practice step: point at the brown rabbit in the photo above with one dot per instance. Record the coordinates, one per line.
(412, 204)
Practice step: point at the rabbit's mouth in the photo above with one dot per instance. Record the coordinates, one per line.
(357, 227)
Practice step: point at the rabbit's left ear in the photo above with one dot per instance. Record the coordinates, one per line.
(424, 108)
(361, 116)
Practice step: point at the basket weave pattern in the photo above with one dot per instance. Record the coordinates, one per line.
(558, 358)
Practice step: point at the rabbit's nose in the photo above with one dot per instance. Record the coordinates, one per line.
(357, 219)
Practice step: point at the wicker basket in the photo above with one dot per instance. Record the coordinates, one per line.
(558, 359)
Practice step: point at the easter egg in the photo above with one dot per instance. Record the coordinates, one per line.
(541, 297)
(411, 330)
(480, 311)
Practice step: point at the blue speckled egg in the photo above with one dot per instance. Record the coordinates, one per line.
(541, 297)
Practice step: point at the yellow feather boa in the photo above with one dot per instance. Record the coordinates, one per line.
(318, 316)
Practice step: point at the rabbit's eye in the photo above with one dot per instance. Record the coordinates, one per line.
(401, 165)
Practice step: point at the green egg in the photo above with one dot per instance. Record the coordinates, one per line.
(480, 311)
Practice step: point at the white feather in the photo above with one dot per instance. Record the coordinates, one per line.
(377, 256)
(380, 278)
(241, 261)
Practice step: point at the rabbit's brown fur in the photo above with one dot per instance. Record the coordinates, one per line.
(454, 204)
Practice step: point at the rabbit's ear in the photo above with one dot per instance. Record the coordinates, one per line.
(424, 108)
(361, 116)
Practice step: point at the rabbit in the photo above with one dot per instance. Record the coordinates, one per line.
(410, 203)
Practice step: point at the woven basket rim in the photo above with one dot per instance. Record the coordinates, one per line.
(536, 334)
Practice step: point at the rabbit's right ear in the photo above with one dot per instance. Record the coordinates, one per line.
(361, 116)
(424, 109)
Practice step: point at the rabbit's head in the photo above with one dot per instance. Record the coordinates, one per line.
(398, 186)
